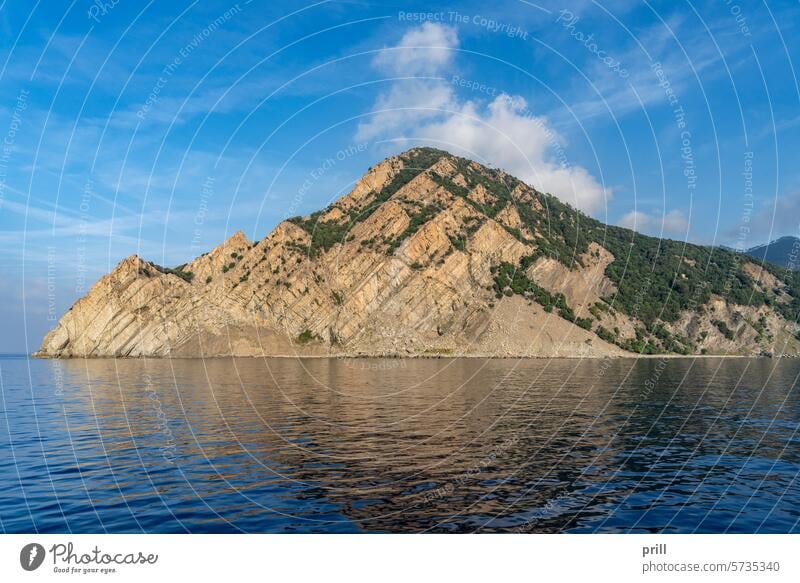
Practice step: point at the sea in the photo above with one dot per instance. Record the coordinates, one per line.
(446, 445)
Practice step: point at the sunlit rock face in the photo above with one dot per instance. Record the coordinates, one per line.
(429, 255)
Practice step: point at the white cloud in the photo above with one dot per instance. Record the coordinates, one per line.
(505, 134)
(502, 132)
(425, 50)
(406, 105)
(673, 223)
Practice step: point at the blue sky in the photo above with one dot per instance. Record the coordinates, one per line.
(162, 128)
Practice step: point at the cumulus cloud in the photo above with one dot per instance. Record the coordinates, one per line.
(406, 105)
(425, 50)
(672, 223)
(502, 132)
(506, 134)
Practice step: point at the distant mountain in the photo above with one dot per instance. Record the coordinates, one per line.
(433, 254)
(784, 252)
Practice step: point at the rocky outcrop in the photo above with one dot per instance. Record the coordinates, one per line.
(406, 264)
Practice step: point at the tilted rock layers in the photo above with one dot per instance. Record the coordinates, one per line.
(406, 264)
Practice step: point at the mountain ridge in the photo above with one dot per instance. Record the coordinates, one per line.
(431, 254)
(783, 251)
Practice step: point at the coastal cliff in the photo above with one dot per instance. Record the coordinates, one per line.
(429, 255)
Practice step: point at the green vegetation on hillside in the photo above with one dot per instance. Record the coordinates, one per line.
(325, 234)
(656, 279)
(187, 276)
(510, 279)
(307, 336)
(723, 327)
(417, 220)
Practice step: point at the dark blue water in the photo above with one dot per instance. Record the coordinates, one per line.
(251, 445)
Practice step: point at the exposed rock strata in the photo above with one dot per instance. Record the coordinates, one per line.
(410, 271)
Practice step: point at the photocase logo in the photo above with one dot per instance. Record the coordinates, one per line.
(31, 556)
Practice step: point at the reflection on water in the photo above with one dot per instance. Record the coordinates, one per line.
(326, 445)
